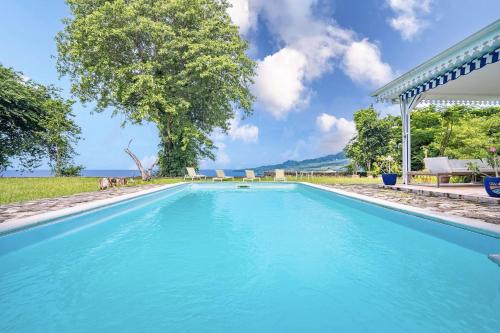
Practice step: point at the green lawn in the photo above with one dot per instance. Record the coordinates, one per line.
(25, 189)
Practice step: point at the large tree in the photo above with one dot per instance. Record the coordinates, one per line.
(373, 138)
(180, 64)
(20, 115)
(35, 123)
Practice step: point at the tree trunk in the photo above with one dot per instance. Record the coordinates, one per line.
(146, 174)
(446, 139)
(149, 171)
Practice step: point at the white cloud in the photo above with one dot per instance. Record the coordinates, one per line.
(336, 138)
(279, 82)
(309, 47)
(325, 122)
(246, 133)
(332, 136)
(362, 63)
(409, 19)
(242, 15)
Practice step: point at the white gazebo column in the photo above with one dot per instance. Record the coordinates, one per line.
(406, 107)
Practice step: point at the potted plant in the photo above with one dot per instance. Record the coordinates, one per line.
(492, 184)
(389, 178)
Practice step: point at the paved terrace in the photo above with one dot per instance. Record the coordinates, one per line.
(29, 208)
(457, 191)
(485, 211)
(443, 201)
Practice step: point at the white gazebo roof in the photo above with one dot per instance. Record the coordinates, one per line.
(442, 78)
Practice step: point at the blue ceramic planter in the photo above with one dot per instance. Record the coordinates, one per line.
(492, 186)
(389, 178)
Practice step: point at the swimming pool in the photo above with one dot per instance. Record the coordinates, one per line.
(269, 258)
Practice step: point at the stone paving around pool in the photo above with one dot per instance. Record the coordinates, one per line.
(488, 212)
(485, 211)
(29, 208)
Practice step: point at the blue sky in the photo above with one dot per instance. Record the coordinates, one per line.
(318, 60)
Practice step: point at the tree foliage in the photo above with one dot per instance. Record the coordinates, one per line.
(35, 123)
(375, 138)
(60, 134)
(20, 114)
(180, 64)
(456, 131)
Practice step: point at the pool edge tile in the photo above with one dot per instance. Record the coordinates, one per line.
(13, 225)
(478, 226)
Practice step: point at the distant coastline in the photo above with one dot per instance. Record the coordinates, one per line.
(336, 162)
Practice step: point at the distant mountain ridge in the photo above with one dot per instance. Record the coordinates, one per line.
(324, 163)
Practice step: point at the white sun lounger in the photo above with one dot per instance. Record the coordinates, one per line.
(445, 167)
(250, 175)
(191, 173)
(279, 175)
(221, 176)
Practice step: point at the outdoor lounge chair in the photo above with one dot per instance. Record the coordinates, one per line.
(221, 176)
(444, 167)
(250, 175)
(279, 175)
(191, 173)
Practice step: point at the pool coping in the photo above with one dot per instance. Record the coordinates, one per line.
(478, 226)
(13, 225)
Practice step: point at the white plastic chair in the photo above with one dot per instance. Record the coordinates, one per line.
(221, 176)
(279, 175)
(250, 175)
(191, 173)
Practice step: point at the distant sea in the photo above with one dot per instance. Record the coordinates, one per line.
(109, 173)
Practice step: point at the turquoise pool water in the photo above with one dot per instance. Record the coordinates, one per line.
(271, 258)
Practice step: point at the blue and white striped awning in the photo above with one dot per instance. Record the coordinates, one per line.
(468, 72)
(453, 74)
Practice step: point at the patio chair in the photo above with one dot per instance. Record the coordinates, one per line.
(279, 175)
(250, 175)
(221, 176)
(191, 173)
(444, 167)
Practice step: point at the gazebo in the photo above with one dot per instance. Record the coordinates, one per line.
(466, 73)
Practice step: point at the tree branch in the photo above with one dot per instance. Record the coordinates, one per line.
(144, 175)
